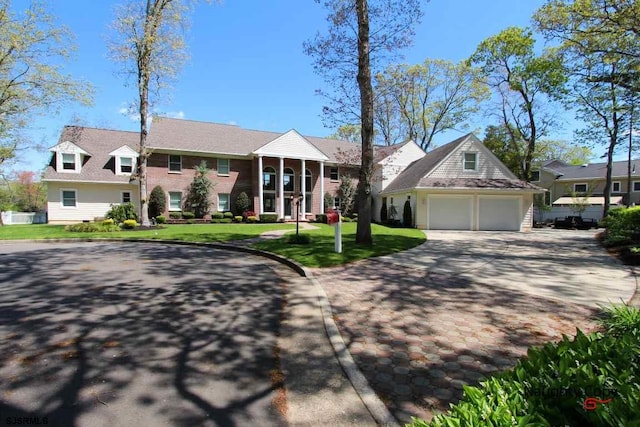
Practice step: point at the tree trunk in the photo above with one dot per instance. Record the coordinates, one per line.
(363, 232)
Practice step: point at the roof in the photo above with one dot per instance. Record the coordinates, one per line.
(478, 183)
(98, 142)
(599, 201)
(592, 170)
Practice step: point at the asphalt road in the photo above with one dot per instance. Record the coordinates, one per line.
(136, 334)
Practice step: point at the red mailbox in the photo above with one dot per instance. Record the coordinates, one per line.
(333, 217)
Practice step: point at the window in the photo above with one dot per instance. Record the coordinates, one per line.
(68, 161)
(547, 198)
(308, 195)
(289, 179)
(535, 176)
(223, 166)
(333, 173)
(336, 202)
(223, 202)
(175, 200)
(636, 185)
(126, 197)
(126, 165)
(580, 188)
(615, 187)
(175, 163)
(470, 162)
(269, 189)
(69, 198)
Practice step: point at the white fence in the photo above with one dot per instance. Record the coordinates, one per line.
(12, 218)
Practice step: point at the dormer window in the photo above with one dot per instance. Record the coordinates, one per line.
(125, 160)
(126, 165)
(470, 162)
(69, 161)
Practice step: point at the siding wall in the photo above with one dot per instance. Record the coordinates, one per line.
(488, 168)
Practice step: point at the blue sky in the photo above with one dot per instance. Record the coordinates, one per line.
(246, 63)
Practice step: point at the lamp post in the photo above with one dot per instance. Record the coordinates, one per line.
(297, 198)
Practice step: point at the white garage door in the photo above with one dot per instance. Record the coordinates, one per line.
(450, 213)
(499, 213)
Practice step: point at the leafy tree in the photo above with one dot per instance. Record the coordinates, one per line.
(157, 202)
(242, 203)
(33, 51)
(347, 194)
(30, 195)
(347, 132)
(524, 84)
(328, 201)
(362, 36)
(198, 198)
(149, 44)
(429, 98)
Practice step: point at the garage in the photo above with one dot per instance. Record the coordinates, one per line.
(499, 213)
(450, 212)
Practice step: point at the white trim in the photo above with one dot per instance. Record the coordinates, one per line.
(119, 165)
(475, 161)
(228, 202)
(613, 183)
(303, 186)
(169, 201)
(88, 182)
(633, 186)
(322, 207)
(169, 163)
(586, 186)
(60, 162)
(75, 192)
(228, 166)
(122, 196)
(260, 185)
(281, 188)
(310, 192)
(282, 146)
(338, 173)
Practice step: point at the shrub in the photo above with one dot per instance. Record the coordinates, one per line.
(188, 215)
(623, 226)
(157, 202)
(345, 219)
(129, 224)
(92, 227)
(299, 239)
(238, 218)
(551, 386)
(271, 217)
(407, 215)
(242, 203)
(191, 221)
(217, 215)
(384, 211)
(161, 219)
(226, 220)
(321, 218)
(228, 214)
(198, 198)
(252, 218)
(246, 214)
(108, 222)
(121, 213)
(215, 220)
(175, 215)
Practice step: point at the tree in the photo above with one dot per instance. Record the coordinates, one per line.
(347, 194)
(407, 215)
(149, 44)
(157, 202)
(429, 98)
(347, 132)
(30, 195)
(524, 84)
(242, 203)
(198, 198)
(362, 35)
(33, 51)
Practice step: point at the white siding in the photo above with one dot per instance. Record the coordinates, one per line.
(488, 166)
(397, 162)
(92, 200)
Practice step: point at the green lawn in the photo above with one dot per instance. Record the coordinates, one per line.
(320, 252)
(186, 232)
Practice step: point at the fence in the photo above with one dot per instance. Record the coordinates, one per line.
(12, 218)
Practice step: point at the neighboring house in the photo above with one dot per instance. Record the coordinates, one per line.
(463, 186)
(459, 185)
(568, 185)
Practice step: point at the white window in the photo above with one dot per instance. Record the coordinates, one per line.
(580, 188)
(470, 162)
(69, 198)
(535, 176)
(223, 202)
(615, 187)
(68, 161)
(547, 198)
(126, 197)
(333, 173)
(636, 185)
(269, 189)
(308, 196)
(289, 179)
(175, 163)
(126, 165)
(223, 166)
(175, 200)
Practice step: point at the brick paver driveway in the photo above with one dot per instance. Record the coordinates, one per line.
(137, 334)
(423, 323)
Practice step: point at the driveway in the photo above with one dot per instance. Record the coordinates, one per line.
(423, 323)
(115, 334)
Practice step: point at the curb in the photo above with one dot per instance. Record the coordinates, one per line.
(372, 402)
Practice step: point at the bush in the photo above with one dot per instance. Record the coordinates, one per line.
(108, 222)
(251, 219)
(92, 227)
(188, 215)
(322, 218)
(551, 386)
(226, 220)
(157, 202)
(407, 215)
(217, 215)
(191, 221)
(228, 215)
(242, 203)
(246, 214)
(384, 212)
(161, 219)
(238, 218)
(623, 226)
(121, 213)
(269, 217)
(198, 196)
(129, 224)
(345, 219)
(175, 215)
(299, 239)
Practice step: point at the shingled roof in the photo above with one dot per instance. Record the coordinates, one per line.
(99, 143)
(592, 170)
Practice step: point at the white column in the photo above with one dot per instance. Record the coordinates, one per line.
(322, 187)
(303, 187)
(281, 189)
(260, 186)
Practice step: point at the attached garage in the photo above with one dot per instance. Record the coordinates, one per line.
(499, 213)
(450, 212)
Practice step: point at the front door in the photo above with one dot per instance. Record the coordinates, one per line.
(287, 207)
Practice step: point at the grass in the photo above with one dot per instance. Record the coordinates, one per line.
(184, 232)
(320, 252)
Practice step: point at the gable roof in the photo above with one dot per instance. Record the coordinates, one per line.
(291, 144)
(417, 174)
(567, 172)
(98, 142)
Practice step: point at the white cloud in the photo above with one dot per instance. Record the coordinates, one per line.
(233, 122)
(174, 114)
